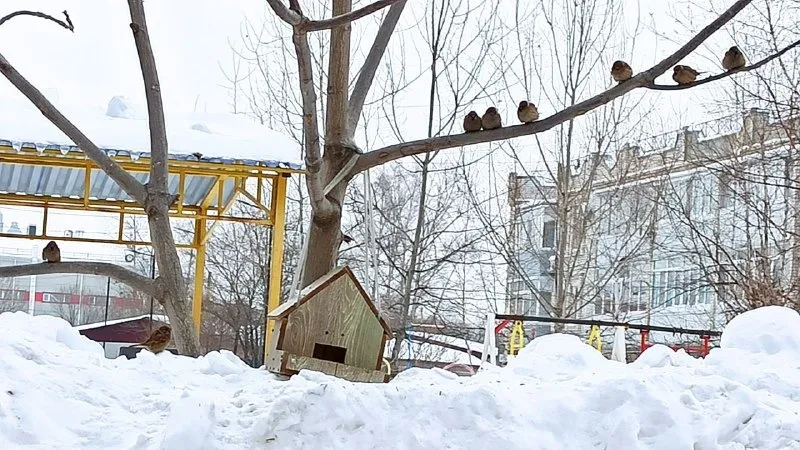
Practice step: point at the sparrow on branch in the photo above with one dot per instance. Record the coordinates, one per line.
(684, 74)
(527, 112)
(621, 71)
(51, 252)
(491, 119)
(472, 122)
(734, 59)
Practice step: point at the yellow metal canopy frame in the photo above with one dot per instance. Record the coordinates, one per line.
(63, 178)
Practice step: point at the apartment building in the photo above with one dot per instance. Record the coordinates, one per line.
(685, 229)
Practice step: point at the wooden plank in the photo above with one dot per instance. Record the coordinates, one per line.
(297, 363)
(275, 361)
(337, 315)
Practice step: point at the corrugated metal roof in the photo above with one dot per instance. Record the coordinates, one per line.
(64, 149)
(54, 181)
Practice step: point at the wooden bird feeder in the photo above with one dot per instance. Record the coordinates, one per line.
(331, 327)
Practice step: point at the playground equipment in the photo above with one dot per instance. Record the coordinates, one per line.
(595, 339)
(492, 328)
(517, 339)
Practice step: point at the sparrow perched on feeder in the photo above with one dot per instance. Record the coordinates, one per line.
(734, 59)
(684, 74)
(527, 112)
(472, 122)
(491, 119)
(51, 252)
(158, 340)
(621, 71)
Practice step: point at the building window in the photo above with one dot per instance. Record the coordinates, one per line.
(725, 192)
(549, 234)
(49, 297)
(13, 295)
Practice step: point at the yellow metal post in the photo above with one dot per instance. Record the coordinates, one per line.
(276, 258)
(517, 339)
(594, 338)
(199, 272)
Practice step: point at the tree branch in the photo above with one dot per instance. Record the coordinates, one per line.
(66, 24)
(141, 283)
(342, 19)
(678, 87)
(287, 15)
(370, 67)
(155, 106)
(643, 79)
(338, 79)
(310, 126)
(124, 179)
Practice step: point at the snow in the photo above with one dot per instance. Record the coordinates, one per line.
(89, 326)
(122, 125)
(769, 330)
(58, 391)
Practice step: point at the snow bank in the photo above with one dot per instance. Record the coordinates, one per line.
(768, 330)
(57, 391)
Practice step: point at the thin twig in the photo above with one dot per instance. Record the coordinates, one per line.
(678, 87)
(66, 24)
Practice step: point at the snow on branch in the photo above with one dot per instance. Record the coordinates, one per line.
(141, 283)
(642, 80)
(64, 23)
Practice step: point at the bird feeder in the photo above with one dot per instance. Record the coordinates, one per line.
(331, 327)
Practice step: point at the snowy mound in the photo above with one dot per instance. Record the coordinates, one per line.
(58, 392)
(768, 330)
(662, 356)
(557, 357)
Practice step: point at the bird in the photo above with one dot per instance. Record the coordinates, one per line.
(491, 119)
(734, 59)
(198, 155)
(621, 71)
(684, 74)
(472, 122)
(527, 112)
(158, 340)
(51, 253)
(346, 238)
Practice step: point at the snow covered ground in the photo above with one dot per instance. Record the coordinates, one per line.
(57, 391)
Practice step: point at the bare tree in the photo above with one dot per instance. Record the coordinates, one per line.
(328, 172)
(154, 196)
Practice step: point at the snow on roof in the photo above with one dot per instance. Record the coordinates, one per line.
(89, 326)
(123, 125)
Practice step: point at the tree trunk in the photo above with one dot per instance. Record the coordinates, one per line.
(174, 299)
(325, 234)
